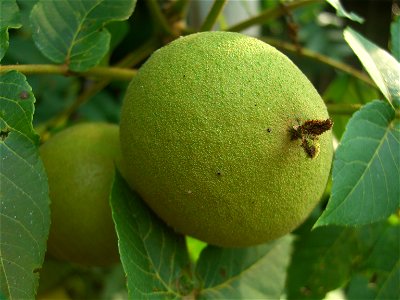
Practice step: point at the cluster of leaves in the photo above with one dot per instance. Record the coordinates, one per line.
(355, 241)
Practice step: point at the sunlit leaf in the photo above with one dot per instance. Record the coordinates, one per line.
(381, 66)
(244, 273)
(72, 31)
(341, 12)
(154, 257)
(9, 18)
(24, 200)
(366, 169)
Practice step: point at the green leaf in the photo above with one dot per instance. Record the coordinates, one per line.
(380, 279)
(24, 200)
(395, 38)
(385, 262)
(252, 273)
(10, 18)
(322, 261)
(341, 12)
(72, 31)
(381, 66)
(154, 257)
(366, 169)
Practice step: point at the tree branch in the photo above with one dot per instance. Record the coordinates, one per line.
(158, 17)
(105, 72)
(213, 15)
(271, 14)
(131, 59)
(347, 109)
(321, 58)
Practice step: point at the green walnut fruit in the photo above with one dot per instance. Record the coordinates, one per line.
(225, 139)
(79, 163)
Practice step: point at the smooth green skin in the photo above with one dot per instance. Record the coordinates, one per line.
(204, 137)
(79, 162)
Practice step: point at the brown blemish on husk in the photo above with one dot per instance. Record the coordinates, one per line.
(309, 133)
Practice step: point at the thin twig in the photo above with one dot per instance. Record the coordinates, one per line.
(270, 14)
(342, 108)
(158, 17)
(347, 109)
(105, 72)
(213, 15)
(321, 58)
(131, 59)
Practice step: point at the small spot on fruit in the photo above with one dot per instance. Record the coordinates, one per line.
(269, 130)
(311, 147)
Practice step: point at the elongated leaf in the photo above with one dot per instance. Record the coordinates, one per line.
(341, 12)
(72, 31)
(395, 38)
(381, 66)
(366, 169)
(247, 273)
(10, 18)
(154, 258)
(24, 200)
(322, 261)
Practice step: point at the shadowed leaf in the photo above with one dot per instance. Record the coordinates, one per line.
(24, 200)
(72, 31)
(9, 18)
(244, 273)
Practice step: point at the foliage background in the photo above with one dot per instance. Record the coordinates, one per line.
(356, 254)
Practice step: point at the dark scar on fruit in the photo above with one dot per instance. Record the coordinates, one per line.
(309, 133)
